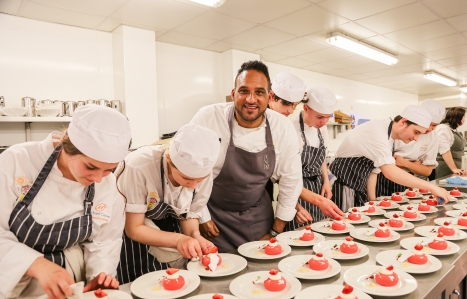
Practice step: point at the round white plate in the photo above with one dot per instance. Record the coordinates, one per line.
(330, 249)
(378, 211)
(401, 216)
(322, 227)
(415, 208)
(404, 199)
(409, 243)
(358, 278)
(440, 221)
(231, 264)
(243, 286)
(415, 203)
(253, 250)
(375, 223)
(114, 294)
(362, 220)
(292, 238)
(418, 195)
(148, 287)
(297, 266)
(392, 207)
(361, 234)
(460, 206)
(432, 231)
(327, 291)
(451, 200)
(459, 196)
(209, 296)
(391, 257)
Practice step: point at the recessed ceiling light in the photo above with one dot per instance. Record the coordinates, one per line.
(350, 44)
(439, 78)
(212, 3)
(464, 88)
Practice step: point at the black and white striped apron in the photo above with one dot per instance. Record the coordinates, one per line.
(352, 172)
(312, 161)
(50, 239)
(386, 187)
(135, 259)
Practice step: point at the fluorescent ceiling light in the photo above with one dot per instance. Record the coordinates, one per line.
(212, 3)
(439, 78)
(350, 44)
(464, 88)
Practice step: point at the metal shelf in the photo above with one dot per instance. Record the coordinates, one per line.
(34, 119)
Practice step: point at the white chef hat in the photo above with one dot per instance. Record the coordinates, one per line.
(288, 87)
(322, 100)
(101, 133)
(194, 150)
(417, 114)
(436, 110)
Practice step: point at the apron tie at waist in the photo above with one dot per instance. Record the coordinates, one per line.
(312, 178)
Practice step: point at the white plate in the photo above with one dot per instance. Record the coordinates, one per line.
(292, 238)
(378, 211)
(409, 243)
(209, 296)
(390, 257)
(361, 234)
(401, 216)
(231, 264)
(362, 220)
(357, 277)
(455, 213)
(451, 200)
(440, 221)
(321, 228)
(418, 195)
(13, 111)
(460, 206)
(459, 196)
(326, 247)
(113, 294)
(296, 266)
(243, 286)
(415, 208)
(327, 291)
(148, 287)
(393, 206)
(404, 199)
(426, 231)
(406, 226)
(253, 250)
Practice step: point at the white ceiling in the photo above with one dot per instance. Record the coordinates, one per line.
(423, 34)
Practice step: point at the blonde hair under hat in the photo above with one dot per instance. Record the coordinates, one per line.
(194, 150)
(101, 133)
(418, 115)
(436, 110)
(288, 87)
(322, 100)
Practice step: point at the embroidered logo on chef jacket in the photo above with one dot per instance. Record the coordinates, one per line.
(424, 147)
(153, 199)
(266, 162)
(101, 212)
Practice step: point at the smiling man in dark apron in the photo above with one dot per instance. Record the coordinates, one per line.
(257, 144)
(370, 146)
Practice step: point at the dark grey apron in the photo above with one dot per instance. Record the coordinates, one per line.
(239, 204)
(50, 239)
(457, 152)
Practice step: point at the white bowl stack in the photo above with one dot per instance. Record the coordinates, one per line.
(48, 110)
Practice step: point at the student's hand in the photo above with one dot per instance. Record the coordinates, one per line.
(205, 244)
(53, 279)
(102, 281)
(267, 236)
(302, 215)
(326, 190)
(400, 162)
(209, 230)
(189, 247)
(440, 192)
(461, 172)
(329, 208)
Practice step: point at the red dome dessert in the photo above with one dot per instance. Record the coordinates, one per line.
(308, 235)
(99, 293)
(431, 201)
(410, 193)
(273, 248)
(275, 282)
(387, 277)
(395, 221)
(418, 257)
(318, 262)
(217, 296)
(396, 197)
(447, 229)
(338, 224)
(439, 243)
(463, 220)
(385, 203)
(455, 192)
(382, 231)
(410, 213)
(423, 206)
(347, 293)
(423, 190)
(370, 207)
(354, 215)
(173, 281)
(349, 246)
(211, 259)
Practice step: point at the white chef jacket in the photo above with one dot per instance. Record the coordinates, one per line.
(59, 199)
(369, 140)
(445, 138)
(288, 169)
(311, 133)
(425, 149)
(141, 184)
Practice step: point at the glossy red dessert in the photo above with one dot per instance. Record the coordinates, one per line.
(275, 282)
(396, 197)
(173, 281)
(439, 243)
(354, 215)
(385, 203)
(349, 246)
(382, 231)
(217, 296)
(387, 277)
(463, 220)
(418, 257)
(423, 206)
(338, 224)
(447, 229)
(318, 262)
(211, 255)
(455, 192)
(273, 248)
(410, 213)
(395, 221)
(370, 207)
(99, 293)
(431, 201)
(423, 190)
(308, 235)
(347, 293)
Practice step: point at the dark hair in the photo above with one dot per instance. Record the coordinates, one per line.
(255, 65)
(454, 117)
(283, 102)
(398, 118)
(69, 148)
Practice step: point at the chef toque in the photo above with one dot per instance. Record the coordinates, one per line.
(436, 110)
(288, 87)
(194, 150)
(322, 100)
(418, 115)
(101, 133)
